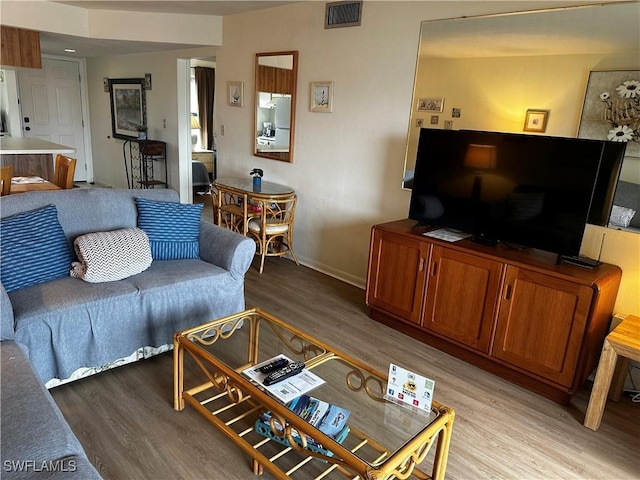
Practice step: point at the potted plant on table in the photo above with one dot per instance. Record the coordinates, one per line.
(142, 132)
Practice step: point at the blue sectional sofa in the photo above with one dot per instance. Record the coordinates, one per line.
(67, 328)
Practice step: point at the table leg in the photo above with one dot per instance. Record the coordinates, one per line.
(178, 375)
(442, 452)
(256, 467)
(619, 377)
(601, 385)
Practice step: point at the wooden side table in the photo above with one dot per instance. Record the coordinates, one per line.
(623, 341)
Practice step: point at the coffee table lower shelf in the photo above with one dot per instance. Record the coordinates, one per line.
(236, 419)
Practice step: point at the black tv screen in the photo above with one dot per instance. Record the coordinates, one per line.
(526, 190)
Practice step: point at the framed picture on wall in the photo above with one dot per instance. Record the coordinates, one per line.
(235, 93)
(611, 109)
(536, 121)
(128, 107)
(430, 104)
(321, 97)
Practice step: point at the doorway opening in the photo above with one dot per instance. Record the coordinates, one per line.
(201, 115)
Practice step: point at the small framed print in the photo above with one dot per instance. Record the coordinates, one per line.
(235, 93)
(430, 104)
(536, 121)
(435, 119)
(321, 97)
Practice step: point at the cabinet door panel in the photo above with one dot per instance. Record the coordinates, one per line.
(462, 294)
(397, 274)
(541, 324)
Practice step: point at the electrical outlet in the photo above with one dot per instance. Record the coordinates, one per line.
(164, 123)
(222, 130)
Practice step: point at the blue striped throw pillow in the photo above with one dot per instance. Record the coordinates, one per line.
(33, 248)
(173, 228)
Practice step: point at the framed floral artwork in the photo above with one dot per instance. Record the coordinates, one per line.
(430, 104)
(611, 109)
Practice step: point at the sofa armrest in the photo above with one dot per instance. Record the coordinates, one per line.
(226, 249)
(7, 328)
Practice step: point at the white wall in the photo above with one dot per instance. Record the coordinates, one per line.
(162, 104)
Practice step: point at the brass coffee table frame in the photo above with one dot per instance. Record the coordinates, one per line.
(231, 402)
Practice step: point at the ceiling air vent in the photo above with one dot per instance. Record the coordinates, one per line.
(343, 14)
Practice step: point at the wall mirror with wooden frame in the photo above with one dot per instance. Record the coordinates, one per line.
(275, 107)
(483, 73)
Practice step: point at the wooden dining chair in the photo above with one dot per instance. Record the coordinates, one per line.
(6, 173)
(63, 172)
(273, 230)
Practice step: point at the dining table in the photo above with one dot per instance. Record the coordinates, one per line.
(237, 200)
(31, 184)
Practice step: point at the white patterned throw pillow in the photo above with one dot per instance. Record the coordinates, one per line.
(110, 256)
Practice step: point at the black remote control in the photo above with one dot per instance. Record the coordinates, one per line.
(270, 367)
(285, 372)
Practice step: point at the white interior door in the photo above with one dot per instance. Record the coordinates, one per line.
(52, 107)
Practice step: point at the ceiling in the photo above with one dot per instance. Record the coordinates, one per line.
(203, 7)
(55, 44)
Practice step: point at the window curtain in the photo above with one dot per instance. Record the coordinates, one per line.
(205, 86)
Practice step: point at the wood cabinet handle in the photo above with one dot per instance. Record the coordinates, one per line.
(421, 265)
(507, 292)
(434, 269)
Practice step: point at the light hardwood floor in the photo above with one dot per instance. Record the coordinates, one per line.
(125, 420)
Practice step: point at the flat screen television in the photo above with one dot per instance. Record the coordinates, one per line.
(523, 190)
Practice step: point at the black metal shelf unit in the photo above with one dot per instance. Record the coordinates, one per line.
(144, 160)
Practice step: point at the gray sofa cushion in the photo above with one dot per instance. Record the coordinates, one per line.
(36, 442)
(68, 324)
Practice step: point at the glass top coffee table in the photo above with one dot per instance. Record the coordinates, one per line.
(384, 440)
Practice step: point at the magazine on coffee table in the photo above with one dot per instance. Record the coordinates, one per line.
(287, 389)
(328, 418)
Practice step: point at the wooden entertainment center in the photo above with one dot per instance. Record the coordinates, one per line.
(515, 313)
